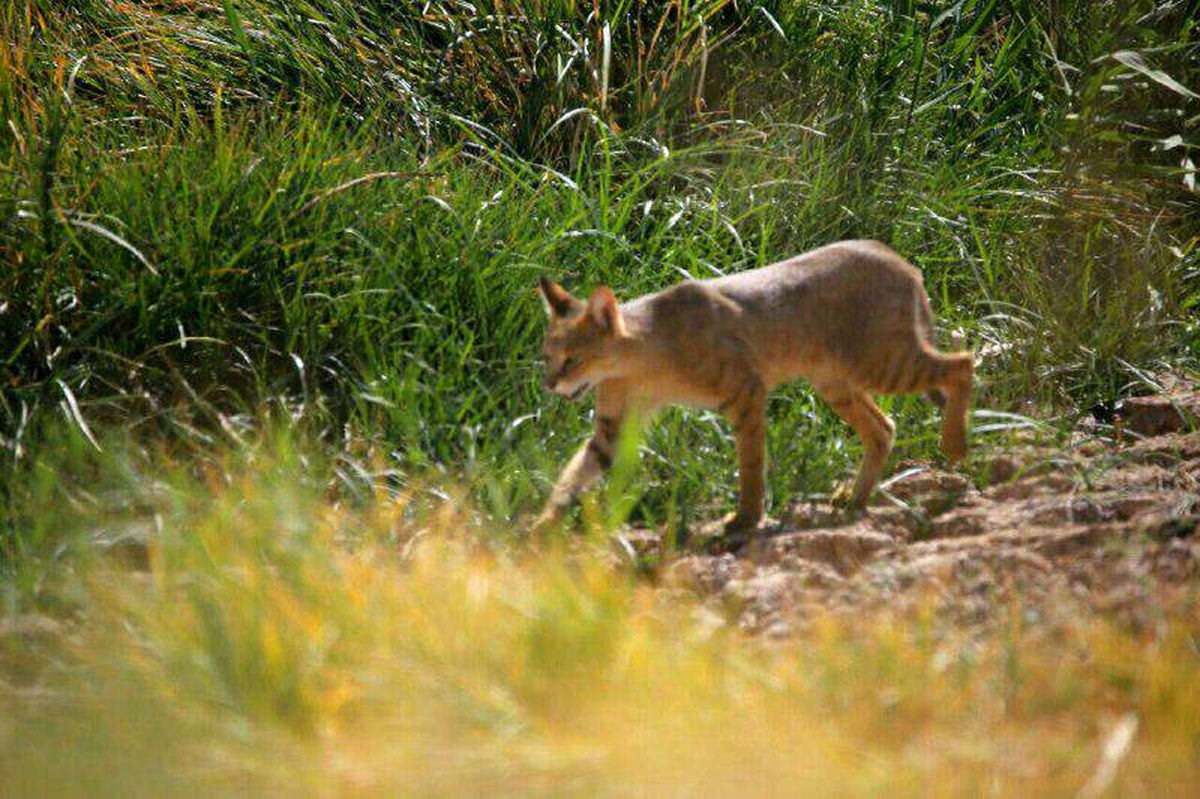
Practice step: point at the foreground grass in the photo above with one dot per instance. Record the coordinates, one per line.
(284, 643)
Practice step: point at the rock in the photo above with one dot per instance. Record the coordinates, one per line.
(1038, 482)
(763, 599)
(807, 515)
(1166, 450)
(1156, 415)
(901, 523)
(1165, 526)
(962, 522)
(1069, 510)
(766, 587)
(713, 538)
(929, 489)
(1147, 476)
(1002, 469)
(843, 549)
(1028, 463)
(1093, 527)
(978, 570)
(707, 574)
(811, 574)
(1127, 506)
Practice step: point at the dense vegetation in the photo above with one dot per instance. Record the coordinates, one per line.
(227, 224)
(336, 212)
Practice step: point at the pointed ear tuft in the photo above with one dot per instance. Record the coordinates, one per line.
(557, 300)
(602, 306)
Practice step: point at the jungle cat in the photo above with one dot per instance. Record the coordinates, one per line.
(852, 318)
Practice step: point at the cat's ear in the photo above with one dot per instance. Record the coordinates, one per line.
(558, 301)
(602, 306)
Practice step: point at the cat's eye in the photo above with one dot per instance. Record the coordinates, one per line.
(569, 364)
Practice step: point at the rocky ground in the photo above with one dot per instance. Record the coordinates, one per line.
(1109, 523)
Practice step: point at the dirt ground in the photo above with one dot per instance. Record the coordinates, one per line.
(1105, 524)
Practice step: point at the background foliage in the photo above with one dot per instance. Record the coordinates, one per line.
(334, 212)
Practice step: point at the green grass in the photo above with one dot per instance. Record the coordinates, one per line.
(196, 248)
(219, 220)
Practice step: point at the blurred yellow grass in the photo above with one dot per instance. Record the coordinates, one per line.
(283, 644)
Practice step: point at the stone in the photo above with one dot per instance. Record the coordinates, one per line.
(1155, 415)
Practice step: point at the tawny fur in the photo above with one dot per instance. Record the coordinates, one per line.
(851, 318)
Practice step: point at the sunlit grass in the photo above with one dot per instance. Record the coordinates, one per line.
(281, 642)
